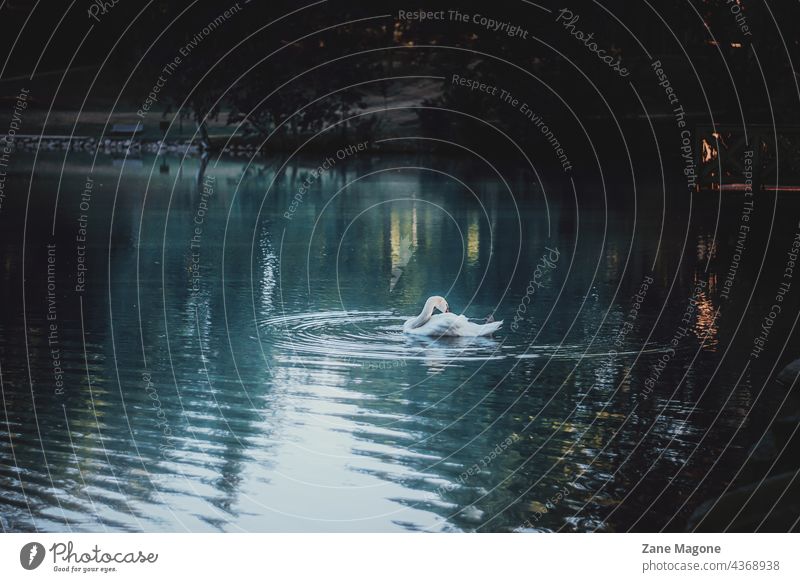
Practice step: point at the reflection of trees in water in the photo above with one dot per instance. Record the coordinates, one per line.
(200, 416)
(220, 430)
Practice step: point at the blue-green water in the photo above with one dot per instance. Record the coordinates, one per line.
(247, 371)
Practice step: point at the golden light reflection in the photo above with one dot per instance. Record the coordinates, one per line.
(473, 240)
(708, 152)
(402, 240)
(706, 247)
(705, 326)
(712, 283)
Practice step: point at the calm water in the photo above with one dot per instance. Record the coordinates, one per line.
(255, 378)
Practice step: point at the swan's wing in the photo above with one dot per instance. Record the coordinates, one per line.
(470, 329)
(489, 328)
(450, 324)
(443, 324)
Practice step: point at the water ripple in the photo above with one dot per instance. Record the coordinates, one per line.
(366, 338)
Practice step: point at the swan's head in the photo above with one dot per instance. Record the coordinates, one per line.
(439, 303)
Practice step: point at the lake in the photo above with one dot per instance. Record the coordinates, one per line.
(218, 347)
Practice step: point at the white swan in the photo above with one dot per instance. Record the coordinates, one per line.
(446, 323)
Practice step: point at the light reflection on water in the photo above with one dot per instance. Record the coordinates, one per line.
(290, 397)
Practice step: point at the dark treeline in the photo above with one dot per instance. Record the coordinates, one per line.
(255, 68)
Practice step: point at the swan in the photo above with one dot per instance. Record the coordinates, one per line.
(446, 323)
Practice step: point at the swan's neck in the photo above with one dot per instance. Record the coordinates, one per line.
(423, 317)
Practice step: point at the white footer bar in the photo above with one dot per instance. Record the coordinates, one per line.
(389, 557)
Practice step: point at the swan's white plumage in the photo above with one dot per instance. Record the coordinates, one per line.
(446, 324)
(452, 325)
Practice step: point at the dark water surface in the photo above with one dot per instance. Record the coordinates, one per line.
(255, 377)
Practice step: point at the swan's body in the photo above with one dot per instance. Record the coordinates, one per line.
(452, 325)
(446, 323)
